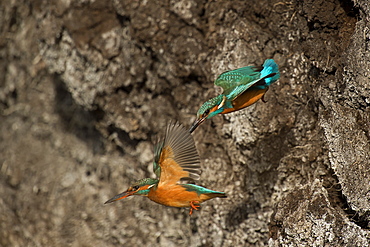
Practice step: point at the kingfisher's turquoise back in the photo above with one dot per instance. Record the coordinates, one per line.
(236, 81)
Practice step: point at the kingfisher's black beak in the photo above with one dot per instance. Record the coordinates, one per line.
(120, 196)
(196, 123)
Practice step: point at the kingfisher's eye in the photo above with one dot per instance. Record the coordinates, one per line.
(135, 187)
(206, 113)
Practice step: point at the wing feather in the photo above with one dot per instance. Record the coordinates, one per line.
(157, 154)
(243, 77)
(176, 156)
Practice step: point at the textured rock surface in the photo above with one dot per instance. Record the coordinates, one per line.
(85, 86)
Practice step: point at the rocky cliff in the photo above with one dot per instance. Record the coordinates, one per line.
(86, 86)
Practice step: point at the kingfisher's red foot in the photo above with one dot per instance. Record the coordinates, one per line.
(193, 206)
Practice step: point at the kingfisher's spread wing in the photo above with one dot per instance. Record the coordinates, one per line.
(176, 156)
(238, 80)
(157, 154)
(258, 84)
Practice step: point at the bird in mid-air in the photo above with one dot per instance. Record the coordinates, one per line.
(176, 166)
(241, 88)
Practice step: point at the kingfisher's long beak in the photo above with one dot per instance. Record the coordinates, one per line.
(120, 196)
(196, 123)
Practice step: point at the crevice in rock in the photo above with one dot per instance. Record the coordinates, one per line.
(241, 212)
(127, 89)
(123, 19)
(193, 77)
(338, 199)
(123, 137)
(77, 120)
(349, 7)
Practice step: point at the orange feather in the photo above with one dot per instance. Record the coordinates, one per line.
(246, 99)
(177, 196)
(171, 171)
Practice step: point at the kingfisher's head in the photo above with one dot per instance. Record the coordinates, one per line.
(140, 187)
(209, 109)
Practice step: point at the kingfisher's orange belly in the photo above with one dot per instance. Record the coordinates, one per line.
(246, 99)
(175, 196)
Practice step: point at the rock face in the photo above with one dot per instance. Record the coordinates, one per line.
(87, 85)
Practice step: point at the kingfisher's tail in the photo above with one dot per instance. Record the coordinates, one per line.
(270, 72)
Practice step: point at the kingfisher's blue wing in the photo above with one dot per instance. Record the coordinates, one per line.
(238, 79)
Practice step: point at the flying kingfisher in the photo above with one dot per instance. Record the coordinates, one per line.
(241, 88)
(176, 165)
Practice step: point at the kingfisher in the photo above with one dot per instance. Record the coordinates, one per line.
(176, 166)
(241, 88)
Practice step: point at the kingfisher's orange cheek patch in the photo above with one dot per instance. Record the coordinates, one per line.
(215, 108)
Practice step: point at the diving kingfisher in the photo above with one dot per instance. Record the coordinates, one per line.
(241, 88)
(176, 166)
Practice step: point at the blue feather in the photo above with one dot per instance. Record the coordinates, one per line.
(200, 190)
(270, 67)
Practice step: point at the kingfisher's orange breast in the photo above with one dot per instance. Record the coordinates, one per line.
(175, 195)
(246, 99)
